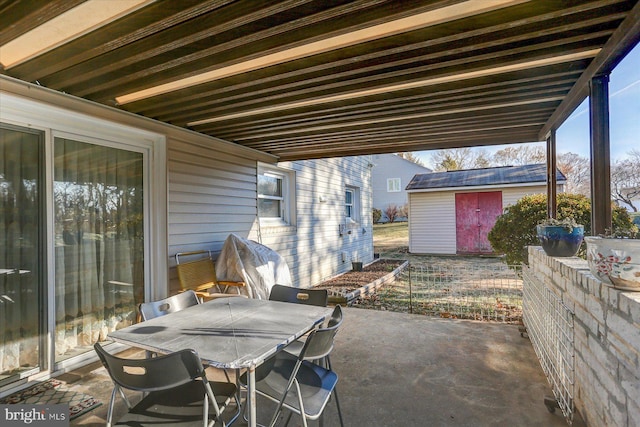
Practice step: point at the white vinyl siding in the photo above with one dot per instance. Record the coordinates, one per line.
(314, 252)
(212, 193)
(432, 223)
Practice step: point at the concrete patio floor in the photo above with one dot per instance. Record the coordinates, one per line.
(407, 370)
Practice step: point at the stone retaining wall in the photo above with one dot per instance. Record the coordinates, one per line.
(607, 340)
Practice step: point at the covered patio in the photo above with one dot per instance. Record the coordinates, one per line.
(300, 80)
(410, 370)
(313, 79)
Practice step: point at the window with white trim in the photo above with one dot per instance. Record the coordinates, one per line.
(351, 204)
(393, 185)
(275, 196)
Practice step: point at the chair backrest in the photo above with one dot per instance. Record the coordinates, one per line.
(319, 343)
(318, 297)
(336, 317)
(150, 310)
(198, 274)
(152, 374)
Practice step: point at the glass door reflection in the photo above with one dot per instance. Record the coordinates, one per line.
(21, 253)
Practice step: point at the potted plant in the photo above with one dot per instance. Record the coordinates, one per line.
(615, 258)
(560, 237)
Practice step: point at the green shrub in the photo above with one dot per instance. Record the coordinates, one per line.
(377, 214)
(515, 229)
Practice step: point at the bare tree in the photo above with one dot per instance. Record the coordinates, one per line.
(521, 155)
(459, 158)
(625, 180)
(411, 157)
(403, 211)
(391, 212)
(577, 170)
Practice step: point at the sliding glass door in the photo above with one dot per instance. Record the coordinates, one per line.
(99, 242)
(72, 246)
(22, 261)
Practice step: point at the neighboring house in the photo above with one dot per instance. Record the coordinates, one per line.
(453, 212)
(95, 202)
(389, 177)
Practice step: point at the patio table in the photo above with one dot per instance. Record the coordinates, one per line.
(227, 333)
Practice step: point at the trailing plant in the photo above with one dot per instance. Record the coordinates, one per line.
(515, 229)
(567, 223)
(630, 232)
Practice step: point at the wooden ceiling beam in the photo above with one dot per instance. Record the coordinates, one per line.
(548, 78)
(464, 110)
(20, 17)
(400, 110)
(327, 70)
(404, 145)
(329, 20)
(395, 132)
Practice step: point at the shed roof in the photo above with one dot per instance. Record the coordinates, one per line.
(527, 174)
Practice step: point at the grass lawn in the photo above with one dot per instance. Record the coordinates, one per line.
(392, 230)
(463, 287)
(390, 236)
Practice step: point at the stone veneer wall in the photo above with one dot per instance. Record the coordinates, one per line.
(607, 340)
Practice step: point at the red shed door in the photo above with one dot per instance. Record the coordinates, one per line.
(476, 214)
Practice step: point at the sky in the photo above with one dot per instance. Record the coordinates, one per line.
(624, 117)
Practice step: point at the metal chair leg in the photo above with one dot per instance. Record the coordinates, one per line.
(335, 392)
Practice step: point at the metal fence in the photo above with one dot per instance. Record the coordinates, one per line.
(549, 324)
(477, 292)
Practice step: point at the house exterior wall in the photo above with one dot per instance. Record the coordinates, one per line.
(432, 223)
(388, 166)
(211, 193)
(208, 203)
(206, 189)
(322, 245)
(199, 190)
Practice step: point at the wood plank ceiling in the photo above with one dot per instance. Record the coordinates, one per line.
(307, 79)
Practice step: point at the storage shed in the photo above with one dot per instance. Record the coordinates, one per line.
(452, 212)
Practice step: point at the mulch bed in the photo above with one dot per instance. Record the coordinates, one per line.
(352, 280)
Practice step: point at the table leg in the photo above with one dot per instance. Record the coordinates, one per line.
(251, 396)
